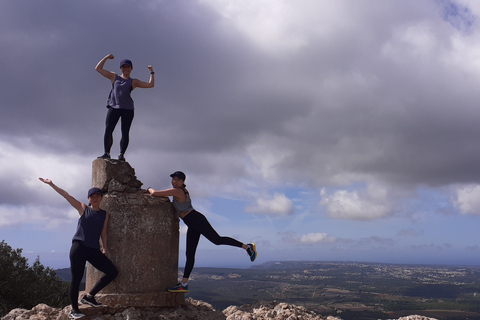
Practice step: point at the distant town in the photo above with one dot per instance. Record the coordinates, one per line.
(349, 290)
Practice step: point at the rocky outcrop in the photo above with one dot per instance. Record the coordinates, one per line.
(416, 317)
(272, 310)
(143, 240)
(190, 310)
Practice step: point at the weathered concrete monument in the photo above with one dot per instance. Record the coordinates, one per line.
(143, 239)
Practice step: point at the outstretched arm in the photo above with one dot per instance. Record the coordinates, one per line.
(107, 74)
(141, 84)
(80, 206)
(177, 193)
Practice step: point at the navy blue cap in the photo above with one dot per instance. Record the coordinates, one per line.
(126, 61)
(179, 174)
(93, 191)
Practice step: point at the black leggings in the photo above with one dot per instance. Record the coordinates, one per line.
(79, 255)
(113, 115)
(199, 225)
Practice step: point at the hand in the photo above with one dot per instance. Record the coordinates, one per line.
(47, 181)
(150, 68)
(110, 56)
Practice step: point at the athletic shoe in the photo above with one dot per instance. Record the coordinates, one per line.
(121, 157)
(75, 314)
(252, 251)
(178, 288)
(91, 301)
(104, 156)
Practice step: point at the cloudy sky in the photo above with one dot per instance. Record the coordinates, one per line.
(320, 130)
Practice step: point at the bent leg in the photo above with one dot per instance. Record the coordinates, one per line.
(98, 260)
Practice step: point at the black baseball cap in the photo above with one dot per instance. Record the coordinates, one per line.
(179, 174)
(126, 61)
(93, 191)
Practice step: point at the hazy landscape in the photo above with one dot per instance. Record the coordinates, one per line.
(350, 290)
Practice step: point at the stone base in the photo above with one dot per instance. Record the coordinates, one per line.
(139, 300)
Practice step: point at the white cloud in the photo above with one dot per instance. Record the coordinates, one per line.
(364, 205)
(278, 205)
(275, 26)
(316, 238)
(49, 218)
(468, 199)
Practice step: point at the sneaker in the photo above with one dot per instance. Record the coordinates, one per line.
(178, 288)
(121, 157)
(75, 314)
(91, 301)
(104, 156)
(252, 251)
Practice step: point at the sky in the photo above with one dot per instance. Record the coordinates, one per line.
(319, 130)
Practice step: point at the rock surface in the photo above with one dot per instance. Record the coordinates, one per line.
(191, 310)
(143, 240)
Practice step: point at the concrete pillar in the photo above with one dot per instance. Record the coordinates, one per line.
(143, 240)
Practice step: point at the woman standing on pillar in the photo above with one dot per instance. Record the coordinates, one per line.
(197, 225)
(120, 102)
(91, 227)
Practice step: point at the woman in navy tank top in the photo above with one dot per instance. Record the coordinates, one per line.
(120, 103)
(91, 227)
(197, 225)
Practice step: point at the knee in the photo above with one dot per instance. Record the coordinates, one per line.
(113, 273)
(217, 241)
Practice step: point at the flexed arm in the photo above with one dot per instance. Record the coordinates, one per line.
(107, 74)
(80, 206)
(142, 84)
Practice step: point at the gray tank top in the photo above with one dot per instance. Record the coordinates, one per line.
(120, 97)
(184, 206)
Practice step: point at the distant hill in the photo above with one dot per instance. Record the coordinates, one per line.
(65, 275)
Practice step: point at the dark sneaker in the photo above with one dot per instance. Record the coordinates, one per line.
(104, 156)
(252, 251)
(178, 288)
(121, 157)
(91, 301)
(75, 314)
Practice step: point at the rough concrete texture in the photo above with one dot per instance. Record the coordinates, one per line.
(143, 240)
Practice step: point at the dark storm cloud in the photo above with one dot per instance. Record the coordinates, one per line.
(374, 94)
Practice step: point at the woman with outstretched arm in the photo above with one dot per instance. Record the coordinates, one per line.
(197, 225)
(91, 227)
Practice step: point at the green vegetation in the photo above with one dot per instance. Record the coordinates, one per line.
(24, 286)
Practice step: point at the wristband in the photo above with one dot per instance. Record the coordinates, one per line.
(152, 72)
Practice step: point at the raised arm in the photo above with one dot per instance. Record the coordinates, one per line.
(177, 193)
(142, 84)
(80, 206)
(107, 74)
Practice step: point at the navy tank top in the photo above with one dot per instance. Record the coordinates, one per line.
(120, 97)
(89, 227)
